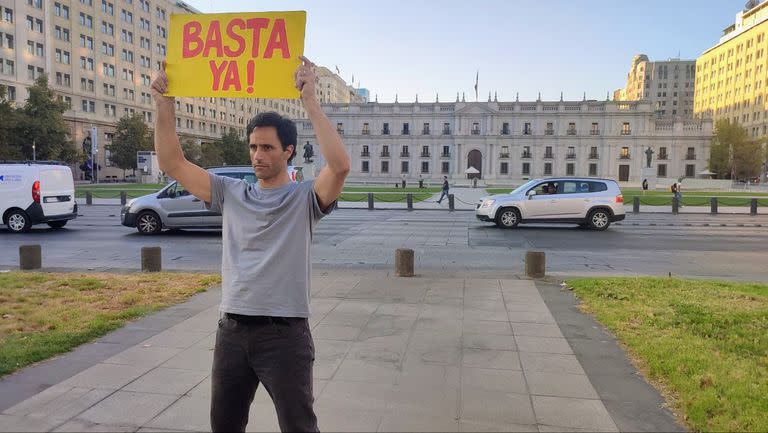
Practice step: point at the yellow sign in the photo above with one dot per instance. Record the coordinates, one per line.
(240, 55)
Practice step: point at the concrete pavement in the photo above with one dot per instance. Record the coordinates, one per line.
(392, 354)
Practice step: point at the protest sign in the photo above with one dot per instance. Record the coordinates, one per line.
(242, 55)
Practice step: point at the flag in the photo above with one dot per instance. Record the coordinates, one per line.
(477, 78)
(337, 69)
(353, 79)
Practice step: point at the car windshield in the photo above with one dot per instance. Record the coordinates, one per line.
(523, 186)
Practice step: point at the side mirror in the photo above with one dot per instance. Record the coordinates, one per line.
(172, 194)
(531, 194)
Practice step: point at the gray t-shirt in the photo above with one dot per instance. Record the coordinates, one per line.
(266, 243)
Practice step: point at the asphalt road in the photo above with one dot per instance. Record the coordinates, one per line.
(722, 246)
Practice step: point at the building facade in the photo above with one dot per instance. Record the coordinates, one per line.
(731, 76)
(668, 85)
(331, 88)
(509, 142)
(101, 57)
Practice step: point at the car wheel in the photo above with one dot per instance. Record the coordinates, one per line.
(18, 221)
(57, 224)
(599, 219)
(148, 223)
(508, 218)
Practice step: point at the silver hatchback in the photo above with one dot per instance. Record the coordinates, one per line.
(173, 207)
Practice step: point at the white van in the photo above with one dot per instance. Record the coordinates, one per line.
(35, 193)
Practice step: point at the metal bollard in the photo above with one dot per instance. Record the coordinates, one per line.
(675, 205)
(636, 205)
(88, 198)
(30, 257)
(123, 198)
(535, 264)
(370, 201)
(404, 262)
(409, 200)
(753, 207)
(713, 205)
(450, 202)
(151, 259)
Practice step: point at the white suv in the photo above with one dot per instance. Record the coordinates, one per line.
(588, 202)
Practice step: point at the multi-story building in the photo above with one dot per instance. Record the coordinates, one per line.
(101, 56)
(508, 142)
(331, 88)
(668, 85)
(731, 76)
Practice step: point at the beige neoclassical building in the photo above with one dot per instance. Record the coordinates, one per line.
(508, 142)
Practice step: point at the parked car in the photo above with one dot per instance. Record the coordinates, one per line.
(588, 202)
(36, 192)
(173, 207)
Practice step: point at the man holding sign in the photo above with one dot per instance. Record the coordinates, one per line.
(263, 335)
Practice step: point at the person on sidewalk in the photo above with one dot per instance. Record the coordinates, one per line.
(263, 335)
(445, 189)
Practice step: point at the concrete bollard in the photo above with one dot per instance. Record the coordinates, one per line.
(713, 205)
(753, 207)
(450, 202)
(123, 198)
(30, 257)
(636, 205)
(151, 259)
(409, 200)
(88, 198)
(370, 200)
(404, 262)
(675, 205)
(535, 264)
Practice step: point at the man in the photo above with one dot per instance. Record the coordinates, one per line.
(263, 335)
(445, 189)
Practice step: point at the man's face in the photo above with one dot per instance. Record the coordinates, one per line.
(267, 155)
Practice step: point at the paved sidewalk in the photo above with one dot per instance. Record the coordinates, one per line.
(392, 354)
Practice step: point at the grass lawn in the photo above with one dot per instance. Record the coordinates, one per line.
(45, 314)
(704, 344)
(690, 198)
(132, 190)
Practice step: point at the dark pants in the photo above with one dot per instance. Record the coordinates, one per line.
(444, 194)
(276, 352)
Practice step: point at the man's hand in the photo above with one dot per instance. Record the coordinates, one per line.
(160, 87)
(306, 78)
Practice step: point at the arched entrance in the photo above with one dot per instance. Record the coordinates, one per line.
(475, 159)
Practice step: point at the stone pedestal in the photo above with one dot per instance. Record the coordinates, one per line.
(649, 174)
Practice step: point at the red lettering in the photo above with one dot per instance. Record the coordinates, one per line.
(232, 78)
(213, 39)
(237, 22)
(217, 71)
(277, 40)
(191, 35)
(256, 25)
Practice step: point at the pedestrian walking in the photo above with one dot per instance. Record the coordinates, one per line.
(645, 186)
(263, 337)
(445, 189)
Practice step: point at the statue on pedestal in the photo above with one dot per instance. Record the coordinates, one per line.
(648, 155)
(308, 153)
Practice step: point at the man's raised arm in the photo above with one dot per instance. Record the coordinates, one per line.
(330, 182)
(169, 155)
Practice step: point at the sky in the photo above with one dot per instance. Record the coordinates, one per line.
(432, 48)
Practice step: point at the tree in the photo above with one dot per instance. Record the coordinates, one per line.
(748, 159)
(8, 149)
(234, 150)
(41, 121)
(191, 149)
(131, 136)
(730, 140)
(210, 155)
